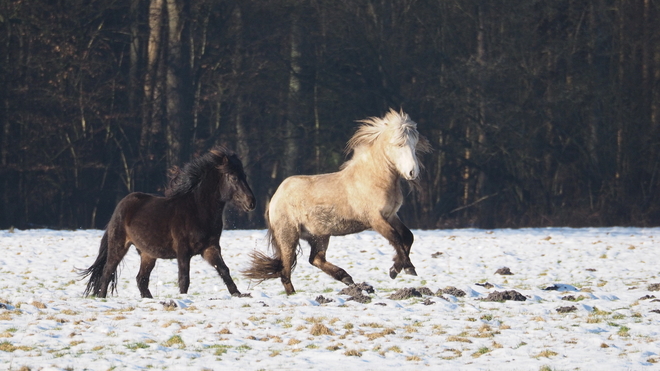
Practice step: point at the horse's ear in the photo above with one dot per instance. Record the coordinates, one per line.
(222, 161)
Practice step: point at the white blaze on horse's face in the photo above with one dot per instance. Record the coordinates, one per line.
(403, 156)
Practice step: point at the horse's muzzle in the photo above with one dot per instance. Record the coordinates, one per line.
(412, 175)
(250, 204)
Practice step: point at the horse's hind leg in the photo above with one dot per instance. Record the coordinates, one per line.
(407, 239)
(117, 249)
(147, 263)
(317, 258)
(214, 257)
(286, 240)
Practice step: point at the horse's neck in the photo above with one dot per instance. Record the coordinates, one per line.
(209, 205)
(373, 169)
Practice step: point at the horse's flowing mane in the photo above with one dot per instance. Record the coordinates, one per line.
(184, 181)
(371, 129)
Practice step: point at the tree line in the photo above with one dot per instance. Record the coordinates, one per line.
(541, 113)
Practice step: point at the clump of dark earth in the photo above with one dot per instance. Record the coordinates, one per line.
(590, 270)
(451, 290)
(655, 300)
(169, 304)
(505, 271)
(360, 298)
(381, 304)
(246, 295)
(406, 293)
(487, 285)
(573, 298)
(646, 297)
(655, 311)
(502, 296)
(355, 292)
(553, 287)
(572, 308)
(654, 287)
(3, 306)
(428, 301)
(263, 303)
(436, 254)
(323, 300)
(356, 289)
(425, 291)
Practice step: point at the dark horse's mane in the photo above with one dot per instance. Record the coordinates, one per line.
(184, 181)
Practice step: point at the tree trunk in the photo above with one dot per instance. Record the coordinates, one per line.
(178, 93)
(153, 89)
(135, 55)
(294, 114)
(484, 187)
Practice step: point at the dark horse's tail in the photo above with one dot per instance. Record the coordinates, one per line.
(95, 272)
(262, 266)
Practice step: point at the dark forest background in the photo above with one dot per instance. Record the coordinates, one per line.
(540, 112)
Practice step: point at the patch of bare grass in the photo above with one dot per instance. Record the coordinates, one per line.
(320, 329)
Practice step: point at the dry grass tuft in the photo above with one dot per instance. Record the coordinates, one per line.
(380, 334)
(175, 340)
(547, 353)
(394, 349)
(170, 322)
(458, 339)
(480, 352)
(320, 329)
(38, 304)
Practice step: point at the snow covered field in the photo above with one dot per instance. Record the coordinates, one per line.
(602, 279)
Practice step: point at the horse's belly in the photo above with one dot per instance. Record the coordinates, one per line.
(345, 227)
(323, 222)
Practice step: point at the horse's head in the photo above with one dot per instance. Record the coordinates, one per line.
(401, 152)
(401, 142)
(233, 183)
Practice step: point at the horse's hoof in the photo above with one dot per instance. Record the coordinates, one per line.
(393, 273)
(411, 271)
(347, 281)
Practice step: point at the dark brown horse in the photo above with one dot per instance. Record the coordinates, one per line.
(184, 223)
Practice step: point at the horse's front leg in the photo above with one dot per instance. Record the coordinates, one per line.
(214, 257)
(407, 239)
(401, 259)
(184, 272)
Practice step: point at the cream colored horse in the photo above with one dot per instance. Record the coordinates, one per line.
(366, 193)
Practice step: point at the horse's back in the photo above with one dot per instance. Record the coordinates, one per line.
(299, 191)
(134, 203)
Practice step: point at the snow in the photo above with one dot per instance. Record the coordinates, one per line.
(46, 324)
